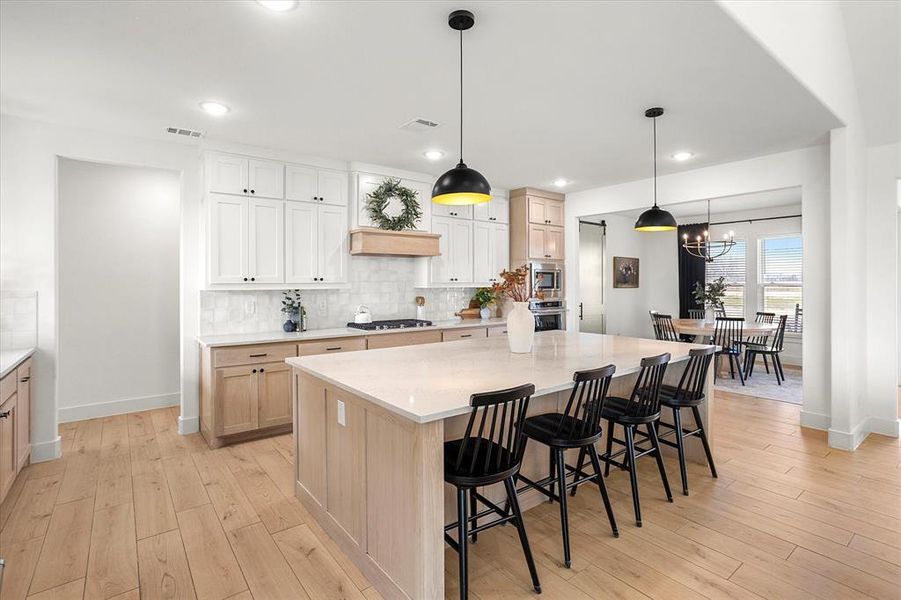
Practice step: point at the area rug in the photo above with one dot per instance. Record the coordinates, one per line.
(763, 384)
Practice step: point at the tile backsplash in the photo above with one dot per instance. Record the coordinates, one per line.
(18, 320)
(383, 284)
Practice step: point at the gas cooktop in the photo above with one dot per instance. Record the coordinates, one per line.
(390, 324)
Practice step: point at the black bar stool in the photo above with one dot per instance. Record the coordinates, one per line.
(484, 457)
(641, 408)
(578, 426)
(688, 394)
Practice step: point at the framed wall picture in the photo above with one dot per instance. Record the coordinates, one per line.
(625, 272)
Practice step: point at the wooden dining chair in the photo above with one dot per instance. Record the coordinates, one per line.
(773, 350)
(728, 334)
(759, 339)
(663, 328)
(695, 313)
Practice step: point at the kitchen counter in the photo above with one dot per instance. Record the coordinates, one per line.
(268, 337)
(10, 359)
(427, 383)
(370, 429)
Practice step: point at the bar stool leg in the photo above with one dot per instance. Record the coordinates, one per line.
(552, 470)
(680, 446)
(474, 510)
(657, 454)
(580, 463)
(610, 429)
(463, 543)
(703, 434)
(633, 475)
(521, 529)
(596, 463)
(560, 463)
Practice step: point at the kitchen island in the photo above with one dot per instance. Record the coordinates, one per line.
(370, 428)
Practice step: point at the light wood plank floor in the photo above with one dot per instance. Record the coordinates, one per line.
(133, 510)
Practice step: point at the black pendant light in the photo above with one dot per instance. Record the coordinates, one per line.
(655, 218)
(461, 185)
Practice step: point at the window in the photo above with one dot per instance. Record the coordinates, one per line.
(779, 278)
(732, 268)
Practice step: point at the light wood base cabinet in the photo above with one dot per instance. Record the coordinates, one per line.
(15, 424)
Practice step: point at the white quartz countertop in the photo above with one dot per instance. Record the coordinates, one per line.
(434, 381)
(268, 337)
(10, 359)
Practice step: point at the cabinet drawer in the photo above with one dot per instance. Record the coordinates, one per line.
(496, 331)
(331, 346)
(393, 340)
(464, 334)
(8, 386)
(252, 355)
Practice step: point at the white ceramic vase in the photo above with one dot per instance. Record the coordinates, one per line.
(485, 313)
(520, 328)
(710, 314)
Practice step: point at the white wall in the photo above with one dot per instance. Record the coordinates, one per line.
(806, 168)
(118, 346)
(28, 242)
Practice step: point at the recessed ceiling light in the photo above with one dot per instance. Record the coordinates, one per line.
(214, 108)
(434, 154)
(561, 182)
(683, 155)
(278, 5)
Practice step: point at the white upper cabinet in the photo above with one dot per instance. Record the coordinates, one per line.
(490, 251)
(302, 242)
(227, 174)
(333, 188)
(496, 211)
(227, 239)
(316, 240)
(315, 185)
(332, 246)
(266, 241)
(455, 263)
(448, 210)
(266, 179)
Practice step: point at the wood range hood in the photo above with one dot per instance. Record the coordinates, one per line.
(370, 241)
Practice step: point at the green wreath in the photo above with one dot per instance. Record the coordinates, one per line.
(377, 202)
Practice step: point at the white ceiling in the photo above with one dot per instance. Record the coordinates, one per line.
(552, 89)
(769, 200)
(873, 29)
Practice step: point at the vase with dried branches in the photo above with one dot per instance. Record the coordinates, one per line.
(520, 321)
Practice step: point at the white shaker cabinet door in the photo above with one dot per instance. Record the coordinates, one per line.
(301, 183)
(332, 187)
(441, 265)
(482, 252)
(302, 242)
(499, 209)
(227, 174)
(461, 250)
(227, 239)
(501, 251)
(266, 240)
(332, 244)
(266, 179)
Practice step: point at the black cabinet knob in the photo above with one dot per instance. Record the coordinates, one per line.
(245, 279)
(262, 370)
(253, 278)
(254, 371)
(4, 415)
(252, 192)
(245, 190)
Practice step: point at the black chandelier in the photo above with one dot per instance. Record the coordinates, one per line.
(703, 247)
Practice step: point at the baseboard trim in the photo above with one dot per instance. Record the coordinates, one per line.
(44, 451)
(889, 427)
(813, 420)
(116, 407)
(188, 425)
(848, 440)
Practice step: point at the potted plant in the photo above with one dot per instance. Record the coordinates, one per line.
(485, 299)
(520, 321)
(291, 306)
(710, 296)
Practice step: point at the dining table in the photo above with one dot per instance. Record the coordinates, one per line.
(703, 330)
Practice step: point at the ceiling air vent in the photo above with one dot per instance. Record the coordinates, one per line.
(185, 132)
(419, 124)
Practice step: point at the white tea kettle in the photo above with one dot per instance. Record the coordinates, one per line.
(363, 315)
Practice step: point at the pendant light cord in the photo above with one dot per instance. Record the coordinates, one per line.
(655, 162)
(461, 96)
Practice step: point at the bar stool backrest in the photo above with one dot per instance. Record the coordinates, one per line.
(728, 331)
(645, 397)
(663, 327)
(691, 384)
(500, 415)
(582, 415)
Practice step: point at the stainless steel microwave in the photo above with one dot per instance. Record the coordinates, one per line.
(547, 278)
